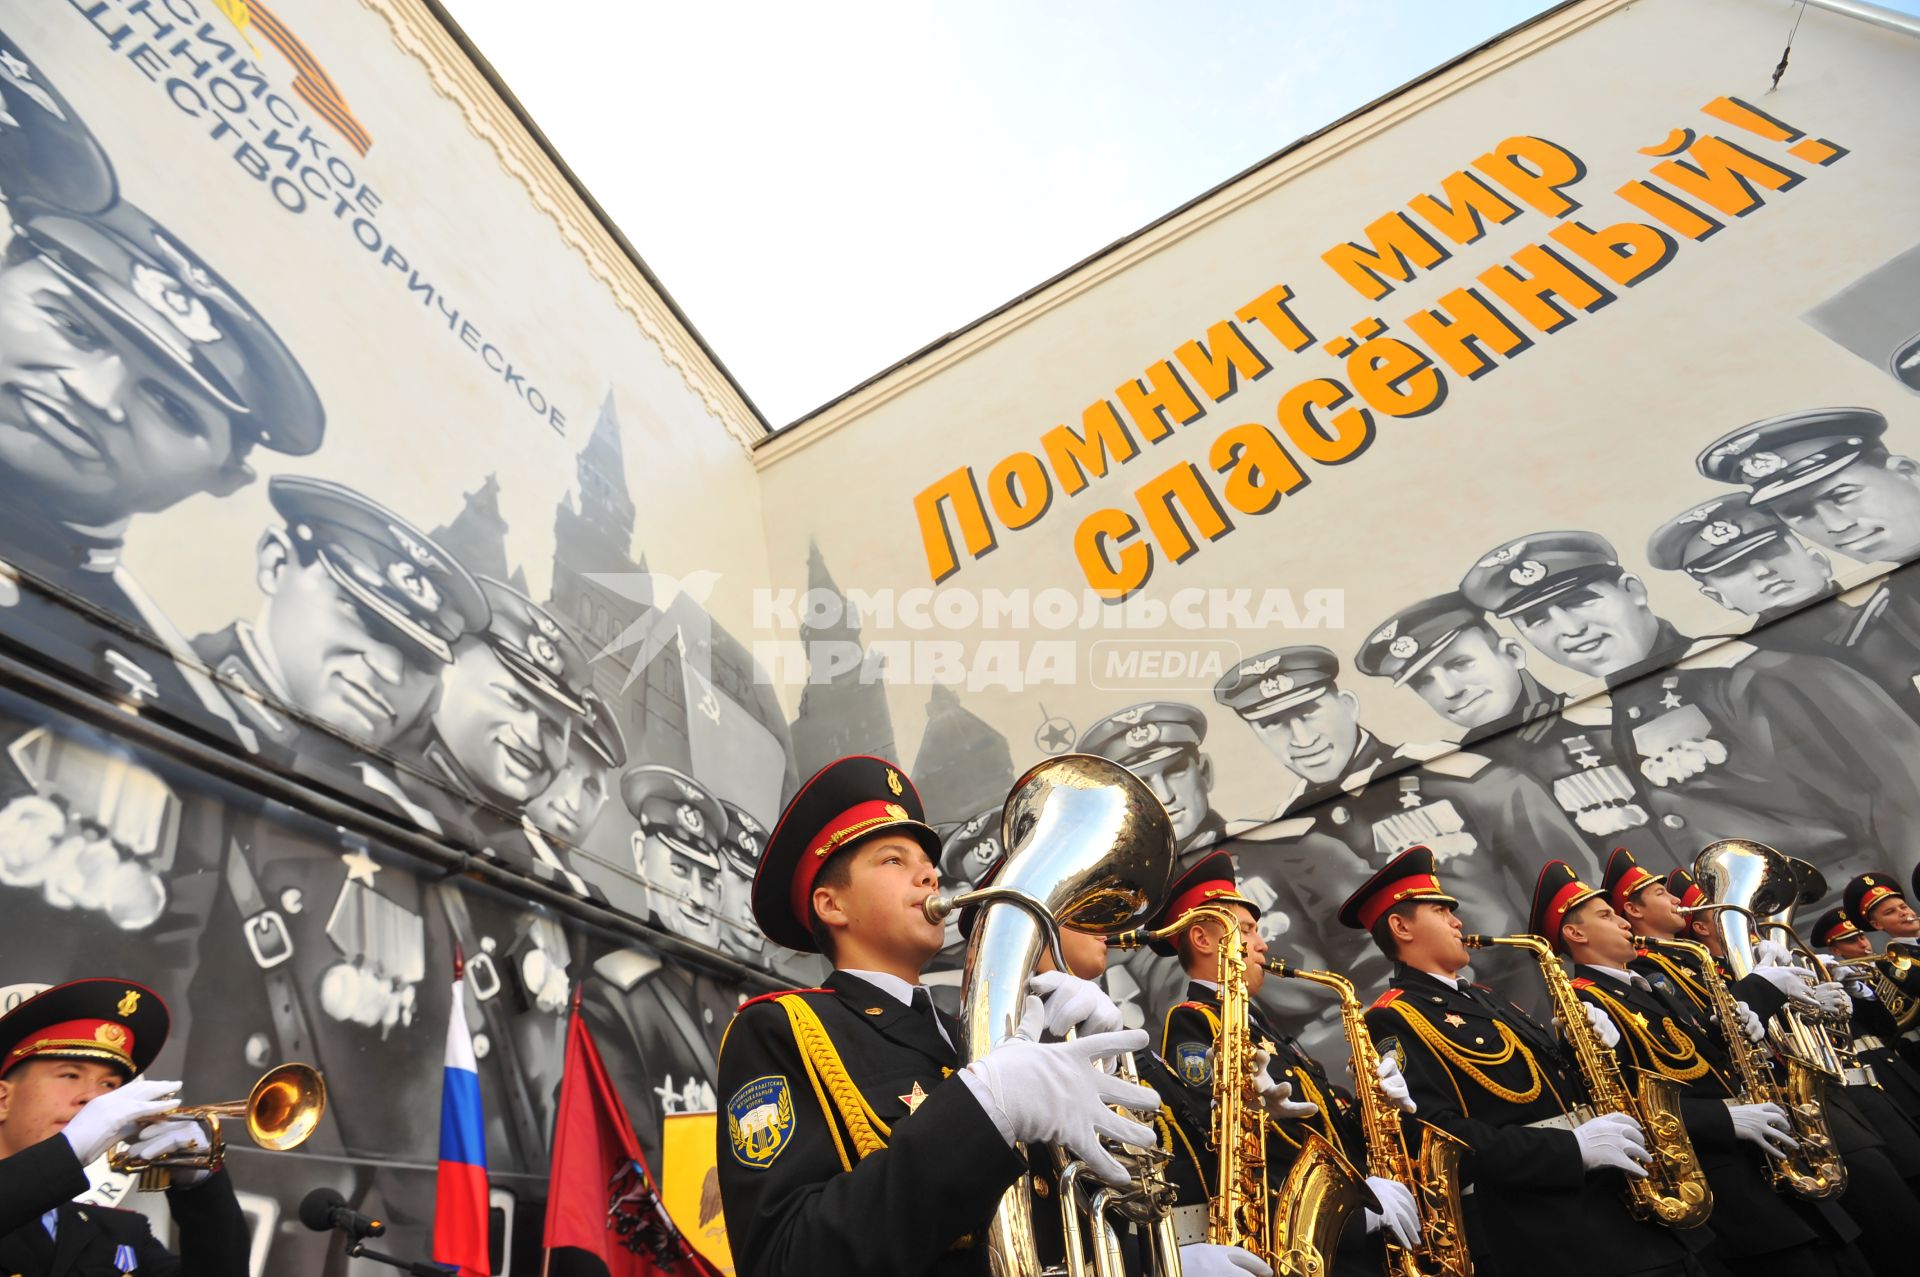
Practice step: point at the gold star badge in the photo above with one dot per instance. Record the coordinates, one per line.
(1457, 1020)
(1639, 1018)
(913, 1099)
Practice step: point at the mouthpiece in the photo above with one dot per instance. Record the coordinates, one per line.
(1477, 942)
(938, 908)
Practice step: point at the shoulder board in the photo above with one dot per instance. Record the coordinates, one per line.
(1864, 592)
(1460, 765)
(1715, 654)
(777, 993)
(1593, 711)
(1201, 1007)
(1581, 982)
(1258, 830)
(1385, 998)
(1421, 750)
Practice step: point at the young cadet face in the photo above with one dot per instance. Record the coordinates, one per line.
(1854, 946)
(568, 807)
(1181, 782)
(92, 427)
(1895, 917)
(1596, 629)
(1204, 946)
(504, 735)
(879, 910)
(340, 663)
(38, 1098)
(1781, 574)
(1865, 511)
(1474, 681)
(1605, 936)
(1653, 911)
(1085, 952)
(1316, 739)
(1429, 938)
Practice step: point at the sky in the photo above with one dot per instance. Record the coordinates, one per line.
(826, 187)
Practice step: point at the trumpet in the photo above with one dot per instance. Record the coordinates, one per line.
(281, 1112)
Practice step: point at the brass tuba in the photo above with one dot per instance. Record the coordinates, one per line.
(1744, 882)
(1087, 843)
(281, 1111)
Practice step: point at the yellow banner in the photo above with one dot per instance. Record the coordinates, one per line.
(690, 1185)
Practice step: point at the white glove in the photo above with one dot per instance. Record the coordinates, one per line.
(1051, 1092)
(1397, 1211)
(1073, 1003)
(178, 1136)
(1615, 1141)
(1750, 1023)
(1834, 1001)
(1602, 1024)
(1277, 1099)
(1764, 1124)
(1395, 1086)
(1768, 952)
(1204, 1259)
(107, 1119)
(1792, 981)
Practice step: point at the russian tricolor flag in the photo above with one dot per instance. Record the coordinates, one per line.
(460, 1209)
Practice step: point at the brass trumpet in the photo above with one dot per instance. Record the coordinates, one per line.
(281, 1111)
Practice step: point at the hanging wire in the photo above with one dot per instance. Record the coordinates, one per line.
(1788, 51)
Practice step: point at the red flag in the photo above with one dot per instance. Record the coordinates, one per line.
(604, 1214)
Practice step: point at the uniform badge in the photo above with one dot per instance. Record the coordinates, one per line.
(111, 1036)
(167, 295)
(1761, 464)
(1261, 664)
(690, 819)
(1389, 1049)
(1503, 555)
(1403, 647)
(1454, 1018)
(125, 1262)
(913, 1099)
(896, 812)
(1528, 572)
(893, 782)
(1700, 512)
(129, 1002)
(1719, 532)
(1387, 631)
(1191, 1063)
(1130, 715)
(544, 653)
(1276, 685)
(1143, 734)
(760, 1121)
(415, 550)
(420, 591)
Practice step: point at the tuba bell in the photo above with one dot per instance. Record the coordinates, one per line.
(1089, 844)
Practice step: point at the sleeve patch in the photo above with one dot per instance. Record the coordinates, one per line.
(760, 1121)
(1389, 1049)
(1191, 1062)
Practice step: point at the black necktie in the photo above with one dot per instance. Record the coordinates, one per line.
(922, 1007)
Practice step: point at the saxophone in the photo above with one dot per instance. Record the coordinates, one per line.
(1814, 1169)
(1675, 1191)
(1296, 1229)
(1434, 1178)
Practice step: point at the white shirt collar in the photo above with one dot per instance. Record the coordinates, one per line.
(888, 983)
(1633, 978)
(1452, 982)
(1211, 986)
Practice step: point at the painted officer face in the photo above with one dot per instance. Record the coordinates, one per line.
(877, 914)
(38, 1098)
(504, 735)
(739, 937)
(1596, 629)
(1865, 511)
(1475, 680)
(1317, 739)
(340, 663)
(1181, 782)
(682, 875)
(569, 806)
(1781, 574)
(1654, 911)
(1895, 917)
(92, 427)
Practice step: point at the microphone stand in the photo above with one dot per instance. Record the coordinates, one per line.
(358, 1249)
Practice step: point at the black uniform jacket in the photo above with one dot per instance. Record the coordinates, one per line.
(1876, 1043)
(1481, 1069)
(1682, 973)
(799, 1196)
(1660, 1034)
(89, 1239)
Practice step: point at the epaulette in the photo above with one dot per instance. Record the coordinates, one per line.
(1385, 998)
(1197, 1006)
(1422, 750)
(777, 993)
(1870, 609)
(1863, 592)
(1715, 654)
(1590, 711)
(1581, 982)
(1460, 765)
(1255, 829)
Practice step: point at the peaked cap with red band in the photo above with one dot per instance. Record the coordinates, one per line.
(1867, 892)
(1209, 880)
(1682, 887)
(1408, 876)
(1624, 877)
(1558, 893)
(1832, 926)
(115, 1022)
(846, 803)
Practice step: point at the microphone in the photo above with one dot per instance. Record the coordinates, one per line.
(324, 1210)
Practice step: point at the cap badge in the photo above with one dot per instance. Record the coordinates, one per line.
(1761, 464)
(1261, 664)
(1503, 555)
(690, 819)
(1131, 714)
(1734, 447)
(896, 812)
(544, 653)
(688, 788)
(893, 782)
(1387, 631)
(1276, 685)
(415, 550)
(166, 294)
(421, 592)
(748, 823)
(111, 1036)
(545, 625)
(1719, 532)
(1530, 572)
(1403, 647)
(1699, 513)
(1143, 734)
(129, 1002)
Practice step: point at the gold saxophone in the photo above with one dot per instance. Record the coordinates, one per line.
(1297, 1228)
(1434, 1178)
(1675, 1191)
